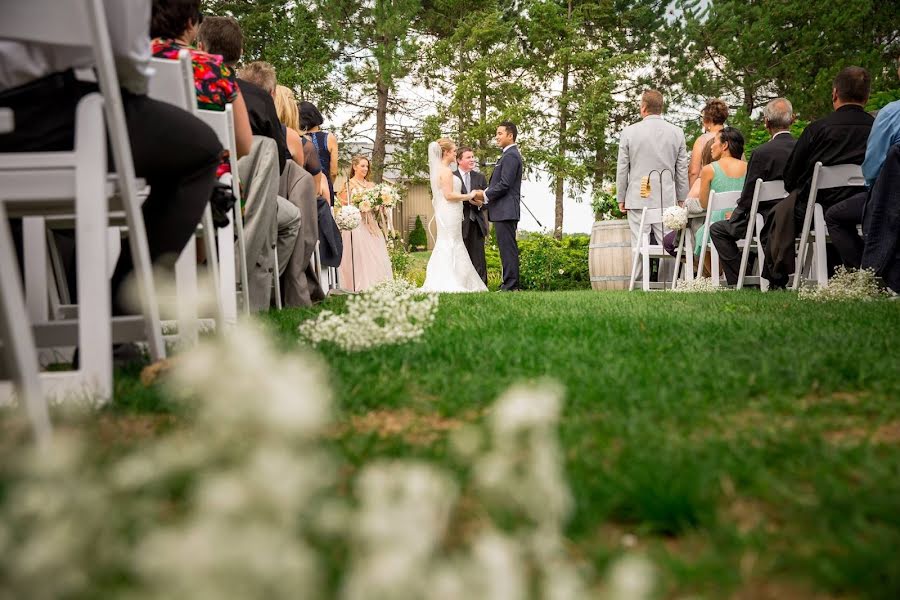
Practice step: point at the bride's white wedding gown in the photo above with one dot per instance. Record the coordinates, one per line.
(450, 268)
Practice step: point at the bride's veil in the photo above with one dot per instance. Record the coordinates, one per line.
(435, 153)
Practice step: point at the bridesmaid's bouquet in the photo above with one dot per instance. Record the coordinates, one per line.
(382, 195)
(347, 218)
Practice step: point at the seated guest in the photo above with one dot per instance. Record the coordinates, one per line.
(842, 218)
(286, 108)
(299, 184)
(271, 220)
(258, 81)
(767, 163)
(174, 25)
(725, 174)
(713, 116)
(173, 150)
(325, 143)
(840, 138)
(696, 215)
(882, 226)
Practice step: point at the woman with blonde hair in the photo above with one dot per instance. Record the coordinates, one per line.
(367, 263)
(286, 107)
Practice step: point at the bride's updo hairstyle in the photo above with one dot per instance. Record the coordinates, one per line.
(446, 145)
(355, 161)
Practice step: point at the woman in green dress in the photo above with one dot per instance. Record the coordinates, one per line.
(725, 174)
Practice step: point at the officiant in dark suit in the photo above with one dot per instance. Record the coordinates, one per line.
(474, 224)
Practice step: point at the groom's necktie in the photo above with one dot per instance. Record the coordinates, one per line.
(468, 181)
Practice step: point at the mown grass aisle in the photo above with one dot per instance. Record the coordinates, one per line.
(746, 440)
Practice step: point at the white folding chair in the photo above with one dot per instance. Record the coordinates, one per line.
(720, 201)
(222, 122)
(764, 191)
(814, 220)
(18, 359)
(173, 82)
(75, 183)
(645, 250)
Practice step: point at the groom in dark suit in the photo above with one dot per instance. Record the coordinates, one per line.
(474, 224)
(503, 195)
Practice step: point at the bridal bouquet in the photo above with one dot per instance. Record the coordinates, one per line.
(347, 218)
(675, 218)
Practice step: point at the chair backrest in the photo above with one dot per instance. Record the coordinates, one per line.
(767, 191)
(173, 81)
(49, 21)
(651, 216)
(837, 176)
(722, 200)
(222, 122)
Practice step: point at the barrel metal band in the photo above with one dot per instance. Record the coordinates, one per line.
(610, 277)
(611, 245)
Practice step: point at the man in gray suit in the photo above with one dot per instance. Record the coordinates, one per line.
(653, 144)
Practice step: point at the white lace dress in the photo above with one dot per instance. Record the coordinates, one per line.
(450, 268)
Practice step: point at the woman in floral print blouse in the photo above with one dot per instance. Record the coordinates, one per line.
(174, 26)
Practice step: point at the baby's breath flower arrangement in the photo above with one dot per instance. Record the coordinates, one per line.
(847, 284)
(701, 284)
(675, 218)
(347, 218)
(392, 312)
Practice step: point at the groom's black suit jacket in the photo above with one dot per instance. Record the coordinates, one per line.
(505, 190)
(473, 215)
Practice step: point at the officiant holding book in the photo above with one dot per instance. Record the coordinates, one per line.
(474, 223)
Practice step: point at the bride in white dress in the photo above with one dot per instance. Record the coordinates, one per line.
(450, 268)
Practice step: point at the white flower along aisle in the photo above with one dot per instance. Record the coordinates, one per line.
(249, 503)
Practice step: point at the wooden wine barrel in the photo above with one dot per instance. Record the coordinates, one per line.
(610, 255)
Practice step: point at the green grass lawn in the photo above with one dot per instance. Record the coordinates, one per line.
(743, 438)
(749, 443)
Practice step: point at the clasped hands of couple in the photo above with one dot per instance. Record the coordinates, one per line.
(477, 197)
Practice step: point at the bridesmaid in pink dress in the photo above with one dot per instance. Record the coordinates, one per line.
(365, 261)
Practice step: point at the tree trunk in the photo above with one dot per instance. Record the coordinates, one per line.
(379, 151)
(482, 115)
(560, 178)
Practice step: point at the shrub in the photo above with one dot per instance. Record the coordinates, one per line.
(417, 237)
(546, 263)
(397, 250)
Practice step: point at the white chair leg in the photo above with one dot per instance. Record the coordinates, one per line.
(646, 264)
(36, 268)
(94, 296)
(187, 294)
(277, 279)
(212, 261)
(113, 248)
(227, 275)
(634, 268)
(689, 253)
(714, 265)
(242, 259)
(19, 349)
(676, 272)
(820, 251)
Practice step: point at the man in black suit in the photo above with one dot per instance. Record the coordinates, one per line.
(257, 82)
(840, 138)
(474, 224)
(767, 163)
(503, 195)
